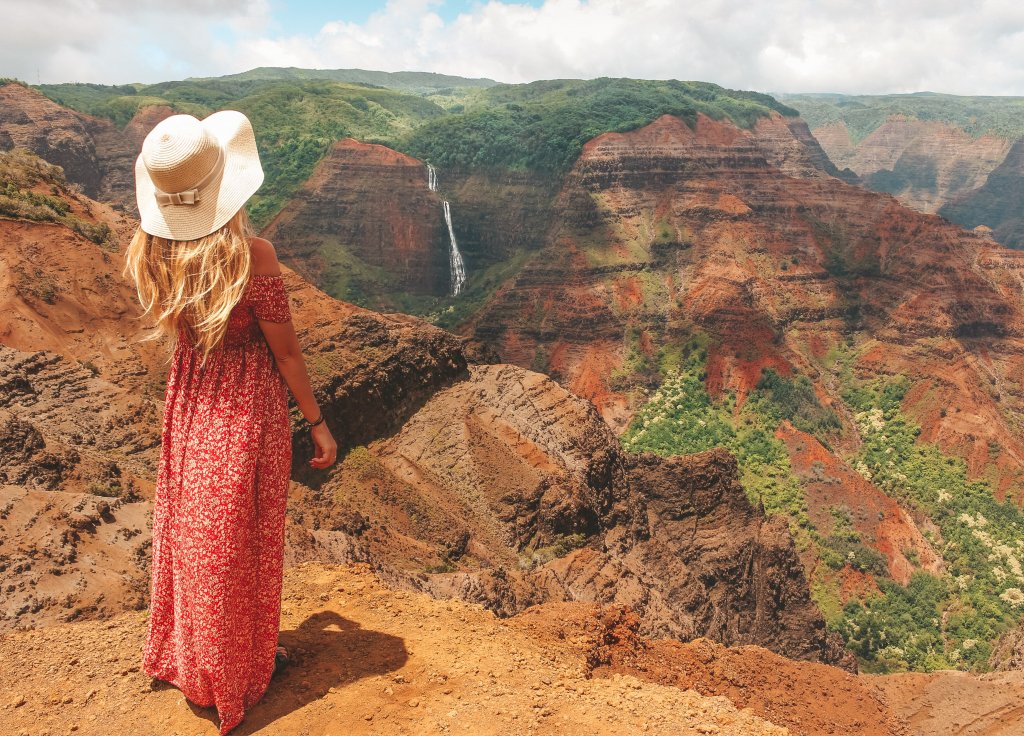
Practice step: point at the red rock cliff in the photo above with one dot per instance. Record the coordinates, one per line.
(365, 225)
(93, 152)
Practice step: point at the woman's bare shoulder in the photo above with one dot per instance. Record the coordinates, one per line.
(264, 258)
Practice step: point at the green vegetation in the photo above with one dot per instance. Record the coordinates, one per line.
(542, 126)
(21, 174)
(843, 546)
(447, 312)
(947, 620)
(414, 82)
(681, 418)
(562, 545)
(795, 400)
(862, 114)
(107, 490)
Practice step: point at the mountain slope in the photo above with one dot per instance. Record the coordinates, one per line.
(486, 482)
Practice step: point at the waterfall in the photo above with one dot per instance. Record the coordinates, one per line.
(455, 264)
(456, 267)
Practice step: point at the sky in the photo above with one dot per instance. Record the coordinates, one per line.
(848, 46)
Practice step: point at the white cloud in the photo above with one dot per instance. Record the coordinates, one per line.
(867, 46)
(119, 41)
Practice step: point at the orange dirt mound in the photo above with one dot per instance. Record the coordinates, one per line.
(808, 698)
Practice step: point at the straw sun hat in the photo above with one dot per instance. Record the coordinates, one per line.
(194, 175)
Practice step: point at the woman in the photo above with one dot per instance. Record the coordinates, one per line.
(225, 460)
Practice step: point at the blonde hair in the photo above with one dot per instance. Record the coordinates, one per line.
(192, 284)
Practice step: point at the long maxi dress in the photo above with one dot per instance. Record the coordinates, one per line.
(218, 518)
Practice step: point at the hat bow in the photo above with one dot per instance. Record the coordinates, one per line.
(191, 196)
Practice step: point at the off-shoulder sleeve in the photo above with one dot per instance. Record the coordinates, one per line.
(269, 299)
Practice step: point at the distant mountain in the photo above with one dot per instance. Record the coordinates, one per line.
(934, 152)
(416, 82)
(863, 114)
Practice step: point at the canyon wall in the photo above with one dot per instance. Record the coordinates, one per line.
(924, 163)
(997, 205)
(93, 152)
(365, 225)
(666, 230)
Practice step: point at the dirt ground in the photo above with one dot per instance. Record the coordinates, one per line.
(366, 660)
(956, 703)
(369, 660)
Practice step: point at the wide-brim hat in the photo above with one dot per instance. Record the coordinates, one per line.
(193, 175)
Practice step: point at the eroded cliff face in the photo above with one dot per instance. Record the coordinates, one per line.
(93, 152)
(925, 163)
(365, 226)
(668, 230)
(30, 120)
(508, 490)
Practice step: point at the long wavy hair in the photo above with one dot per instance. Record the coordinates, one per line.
(191, 284)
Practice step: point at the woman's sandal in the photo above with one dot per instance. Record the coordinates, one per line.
(281, 659)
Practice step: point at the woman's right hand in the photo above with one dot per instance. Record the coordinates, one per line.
(326, 447)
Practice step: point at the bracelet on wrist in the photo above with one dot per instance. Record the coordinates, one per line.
(320, 420)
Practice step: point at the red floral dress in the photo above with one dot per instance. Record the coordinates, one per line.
(218, 518)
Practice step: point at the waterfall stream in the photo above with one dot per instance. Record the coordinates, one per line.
(456, 267)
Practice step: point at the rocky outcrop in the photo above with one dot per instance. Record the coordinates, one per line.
(365, 225)
(808, 699)
(507, 490)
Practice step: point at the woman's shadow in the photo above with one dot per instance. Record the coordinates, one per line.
(334, 652)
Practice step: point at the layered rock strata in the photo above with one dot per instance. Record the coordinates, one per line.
(366, 224)
(925, 163)
(670, 230)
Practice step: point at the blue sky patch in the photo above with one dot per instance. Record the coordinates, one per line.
(308, 17)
